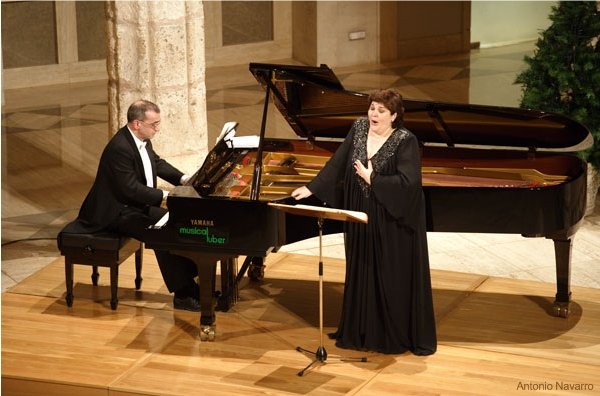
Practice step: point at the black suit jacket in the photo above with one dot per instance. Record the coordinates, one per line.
(121, 182)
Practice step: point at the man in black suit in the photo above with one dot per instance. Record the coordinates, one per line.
(124, 197)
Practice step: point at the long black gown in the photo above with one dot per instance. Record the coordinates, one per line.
(387, 304)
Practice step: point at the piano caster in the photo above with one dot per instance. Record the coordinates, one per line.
(561, 309)
(207, 332)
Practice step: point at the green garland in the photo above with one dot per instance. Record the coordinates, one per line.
(564, 73)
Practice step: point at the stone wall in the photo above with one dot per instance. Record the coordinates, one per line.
(156, 52)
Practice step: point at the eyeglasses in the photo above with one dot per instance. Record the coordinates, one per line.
(153, 125)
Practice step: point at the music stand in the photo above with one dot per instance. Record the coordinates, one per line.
(322, 213)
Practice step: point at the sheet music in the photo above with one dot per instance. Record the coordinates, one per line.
(359, 215)
(228, 136)
(321, 211)
(242, 141)
(163, 220)
(228, 127)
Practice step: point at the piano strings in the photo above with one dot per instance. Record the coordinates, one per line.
(282, 173)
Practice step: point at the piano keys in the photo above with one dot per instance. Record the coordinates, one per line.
(517, 164)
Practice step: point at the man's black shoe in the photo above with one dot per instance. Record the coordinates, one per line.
(186, 303)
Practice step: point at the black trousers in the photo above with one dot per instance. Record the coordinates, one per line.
(178, 272)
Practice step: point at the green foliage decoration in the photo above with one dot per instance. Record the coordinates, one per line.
(563, 75)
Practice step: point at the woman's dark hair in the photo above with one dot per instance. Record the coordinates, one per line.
(138, 109)
(392, 100)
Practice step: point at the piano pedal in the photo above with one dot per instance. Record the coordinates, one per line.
(208, 332)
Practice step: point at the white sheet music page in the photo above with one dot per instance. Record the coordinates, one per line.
(359, 215)
(321, 211)
(241, 141)
(228, 127)
(163, 220)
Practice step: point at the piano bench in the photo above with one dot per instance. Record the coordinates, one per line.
(103, 249)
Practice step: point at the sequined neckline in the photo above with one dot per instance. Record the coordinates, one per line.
(378, 160)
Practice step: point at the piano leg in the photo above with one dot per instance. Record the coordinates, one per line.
(207, 270)
(206, 281)
(562, 252)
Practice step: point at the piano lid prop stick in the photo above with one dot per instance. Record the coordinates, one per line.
(254, 193)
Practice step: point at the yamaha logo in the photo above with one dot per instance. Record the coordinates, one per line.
(202, 222)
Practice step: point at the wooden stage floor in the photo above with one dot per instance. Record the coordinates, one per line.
(496, 337)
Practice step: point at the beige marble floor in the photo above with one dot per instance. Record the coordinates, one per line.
(46, 129)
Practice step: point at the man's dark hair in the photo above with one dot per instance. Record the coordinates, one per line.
(138, 109)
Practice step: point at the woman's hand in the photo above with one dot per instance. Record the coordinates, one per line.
(363, 172)
(301, 192)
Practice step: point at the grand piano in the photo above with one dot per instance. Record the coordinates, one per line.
(486, 169)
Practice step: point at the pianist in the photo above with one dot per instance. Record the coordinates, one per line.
(387, 305)
(124, 197)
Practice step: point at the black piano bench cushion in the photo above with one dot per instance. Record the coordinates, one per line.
(91, 242)
(101, 249)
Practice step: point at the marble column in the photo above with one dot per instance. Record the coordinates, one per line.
(156, 52)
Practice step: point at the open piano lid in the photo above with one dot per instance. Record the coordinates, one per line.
(315, 104)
